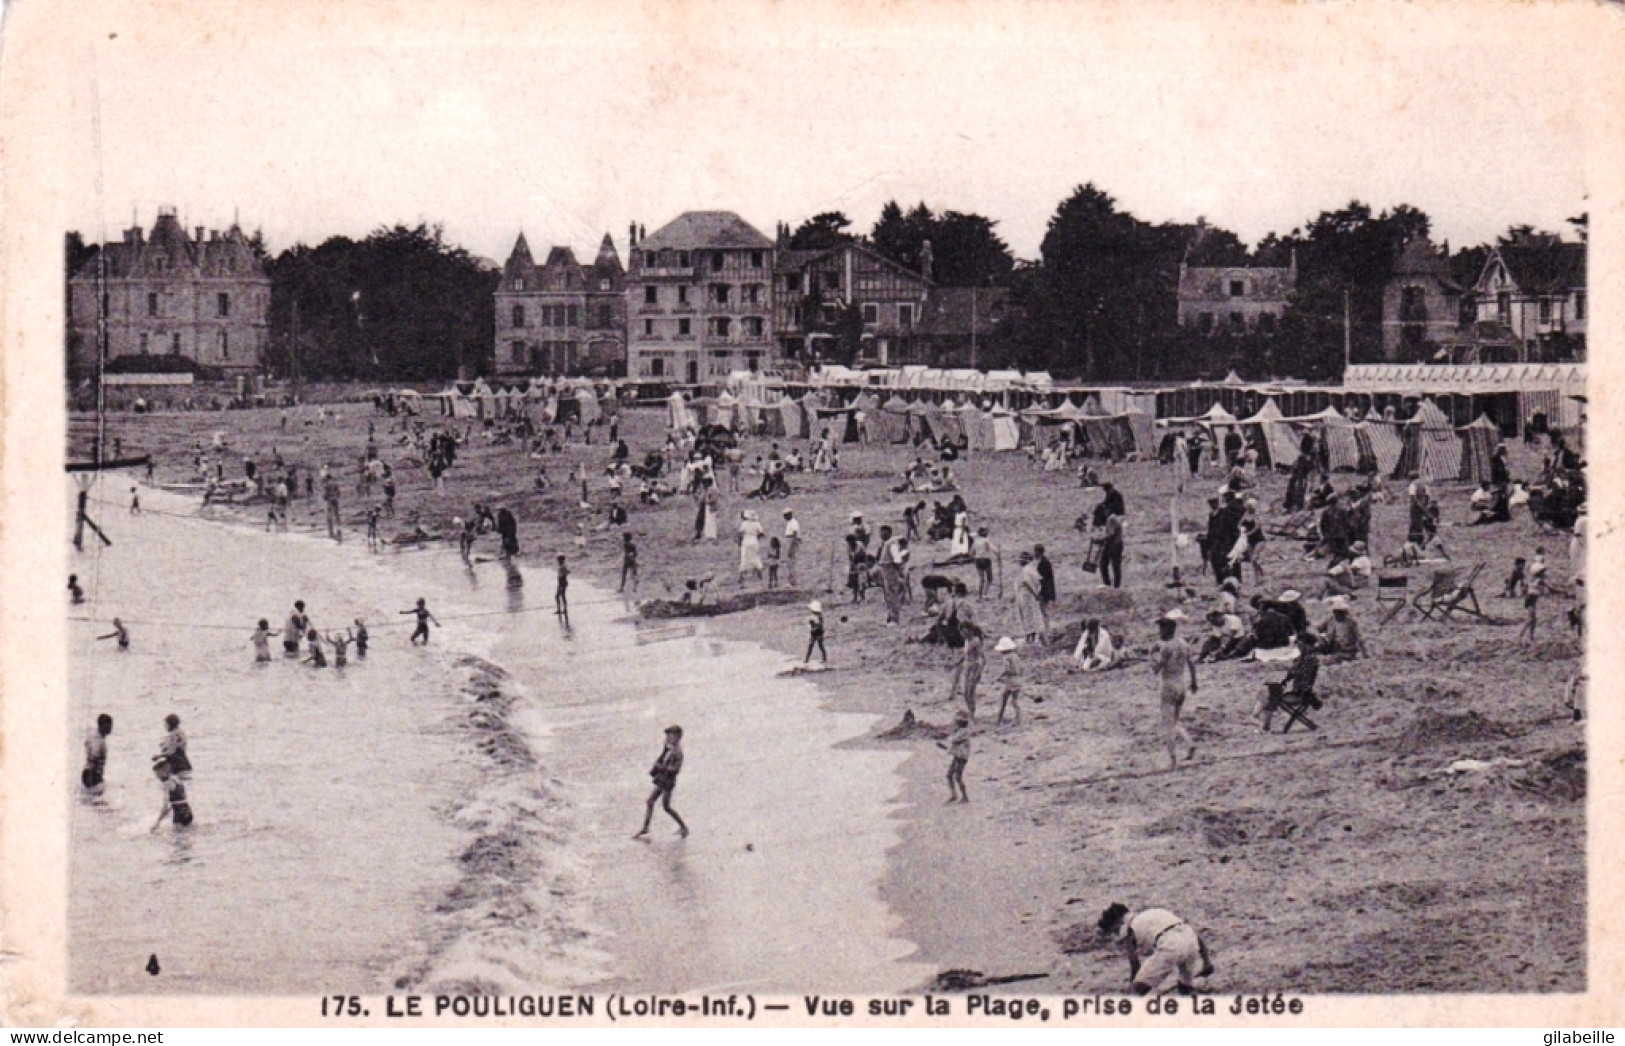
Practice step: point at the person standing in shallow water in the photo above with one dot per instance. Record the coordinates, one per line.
(421, 612)
(96, 755)
(664, 773)
(175, 804)
(262, 642)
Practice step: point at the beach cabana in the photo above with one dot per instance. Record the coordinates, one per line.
(842, 423)
(889, 424)
(587, 406)
(1478, 442)
(1143, 428)
(1342, 445)
(1273, 433)
(1431, 449)
(1382, 441)
(678, 414)
(920, 427)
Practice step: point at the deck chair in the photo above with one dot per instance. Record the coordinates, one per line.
(1393, 592)
(1296, 706)
(1448, 594)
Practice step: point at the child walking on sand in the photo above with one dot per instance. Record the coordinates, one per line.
(421, 612)
(958, 748)
(664, 773)
(561, 594)
(774, 553)
(1010, 676)
(815, 632)
(1530, 601)
(135, 502)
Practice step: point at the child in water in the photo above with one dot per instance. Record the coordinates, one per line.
(341, 645)
(424, 617)
(262, 641)
(360, 640)
(172, 747)
(75, 594)
(120, 633)
(175, 804)
(317, 657)
(96, 755)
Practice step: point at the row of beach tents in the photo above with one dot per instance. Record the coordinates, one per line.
(1426, 445)
(580, 402)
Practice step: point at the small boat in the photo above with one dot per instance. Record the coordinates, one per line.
(107, 464)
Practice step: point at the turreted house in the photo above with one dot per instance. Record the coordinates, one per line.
(206, 298)
(561, 317)
(1421, 306)
(1536, 292)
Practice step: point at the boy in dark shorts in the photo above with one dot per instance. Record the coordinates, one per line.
(421, 611)
(96, 755)
(664, 773)
(561, 599)
(958, 747)
(175, 804)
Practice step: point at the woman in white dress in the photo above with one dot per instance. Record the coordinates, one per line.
(713, 504)
(1028, 609)
(750, 545)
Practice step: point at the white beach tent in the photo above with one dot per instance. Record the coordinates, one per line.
(1279, 441)
(678, 416)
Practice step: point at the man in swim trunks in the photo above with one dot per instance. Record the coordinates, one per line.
(421, 611)
(175, 803)
(96, 754)
(295, 629)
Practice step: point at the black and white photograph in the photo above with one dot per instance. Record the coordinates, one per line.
(740, 513)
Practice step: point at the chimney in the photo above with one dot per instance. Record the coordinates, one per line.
(632, 234)
(200, 234)
(643, 232)
(925, 259)
(214, 235)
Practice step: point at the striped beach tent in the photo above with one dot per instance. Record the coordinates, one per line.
(1270, 427)
(1144, 429)
(889, 424)
(1478, 442)
(1432, 450)
(1383, 440)
(1342, 445)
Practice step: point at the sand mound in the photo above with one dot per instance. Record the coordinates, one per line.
(1098, 602)
(1559, 775)
(911, 728)
(667, 608)
(1225, 828)
(1436, 730)
(1083, 938)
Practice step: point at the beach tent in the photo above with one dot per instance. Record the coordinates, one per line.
(678, 415)
(1143, 428)
(1382, 441)
(1280, 446)
(950, 422)
(1342, 445)
(1478, 442)
(919, 422)
(867, 402)
(842, 423)
(978, 428)
(889, 424)
(1431, 449)
(811, 404)
(1006, 432)
(790, 425)
(587, 406)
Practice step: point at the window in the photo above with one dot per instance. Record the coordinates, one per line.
(753, 326)
(682, 295)
(1579, 305)
(1204, 322)
(756, 259)
(1545, 310)
(225, 346)
(603, 285)
(753, 293)
(1238, 322)
(792, 282)
(572, 316)
(143, 344)
(832, 281)
(606, 316)
(721, 326)
(826, 313)
(519, 315)
(517, 352)
(1503, 307)
(716, 261)
(648, 328)
(650, 295)
(1238, 288)
(682, 259)
(683, 329)
(175, 343)
(650, 260)
(1266, 323)
(222, 304)
(518, 285)
(871, 312)
(905, 315)
(152, 304)
(657, 368)
(720, 292)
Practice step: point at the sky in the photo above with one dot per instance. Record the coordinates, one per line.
(570, 120)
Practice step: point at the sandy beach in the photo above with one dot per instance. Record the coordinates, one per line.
(1417, 842)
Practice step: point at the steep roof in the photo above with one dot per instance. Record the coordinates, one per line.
(520, 264)
(169, 253)
(608, 261)
(1552, 269)
(1419, 258)
(705, 229)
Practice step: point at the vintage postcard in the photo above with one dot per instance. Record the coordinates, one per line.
(745, 514)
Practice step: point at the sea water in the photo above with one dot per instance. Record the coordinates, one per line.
(455, 817)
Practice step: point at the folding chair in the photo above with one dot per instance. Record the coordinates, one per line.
(1393, 592)
(1446, 595)
(1296, 706)
(1464, 594)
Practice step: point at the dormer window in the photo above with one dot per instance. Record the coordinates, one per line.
(518, 285)
(1238, 288)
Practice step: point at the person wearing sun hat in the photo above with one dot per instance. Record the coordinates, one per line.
(1010, 673)
(1340, 635)
(815, 632)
